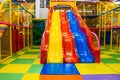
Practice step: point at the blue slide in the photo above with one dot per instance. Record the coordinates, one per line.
(79, 39)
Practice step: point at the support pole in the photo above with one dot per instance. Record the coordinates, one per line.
(104, 26)
(10, 27)
(111, 30)
(44, 3)
(37, 8)
(100, 19)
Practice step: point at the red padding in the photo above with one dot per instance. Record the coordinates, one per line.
(14, 41)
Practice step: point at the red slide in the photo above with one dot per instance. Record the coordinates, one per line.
(45, 39)
(70, 54)
(84, 28)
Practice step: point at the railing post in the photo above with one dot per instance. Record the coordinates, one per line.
(10, 27)
(37, 8)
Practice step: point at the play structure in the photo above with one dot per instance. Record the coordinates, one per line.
(59, 40)
(66, 38)
(103, 19)
(15, 28)
(110, 23)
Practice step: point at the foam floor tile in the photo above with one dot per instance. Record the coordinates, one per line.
(35, 68)
(110, 52)
(55, 69)
(37, 61)
(31, 77)
(8, 61)
(15, 55)
(115, 55)
(101, 77)
(11, 76)
(94, 68)
(115, 67)
(101, 52)
(117, 52)
(61, 77)
(38, 57)
(31, 52)
(118, 58)
(20, 53)
(23, 61)
(105, 50)
(105, 56)
(35, 47)
(15, 68)
(28, 56)
(34, 50)
(110, 60)
(2, 65)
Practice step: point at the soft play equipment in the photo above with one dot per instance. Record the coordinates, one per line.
(70, 54)
(67, 39)
(84, 28)
(38, 30)
(79, 39)
(17, 40)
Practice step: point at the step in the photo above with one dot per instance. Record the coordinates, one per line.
(60, 77)
(59, 69)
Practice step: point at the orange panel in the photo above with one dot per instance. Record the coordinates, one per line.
(60, 77)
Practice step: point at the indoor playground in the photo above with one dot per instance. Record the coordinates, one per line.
(59, 40)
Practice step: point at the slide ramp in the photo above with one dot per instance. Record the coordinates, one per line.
(55, 40)
(79, 39)
(69, 51)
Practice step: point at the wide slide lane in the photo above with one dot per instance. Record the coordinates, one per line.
(70, 55)
(55, 54)
(80, 40)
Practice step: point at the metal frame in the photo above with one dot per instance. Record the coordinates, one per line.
(105, 14)
(11, 16)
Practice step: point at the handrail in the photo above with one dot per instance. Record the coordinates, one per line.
(43, 36)
(98, 42)
(31, 7)
(7, 23)
(109, 11)
(23, 8)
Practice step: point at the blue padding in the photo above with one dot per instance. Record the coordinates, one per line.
(79, 39)
(59, 69)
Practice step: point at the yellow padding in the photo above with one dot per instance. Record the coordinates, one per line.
(3, 25)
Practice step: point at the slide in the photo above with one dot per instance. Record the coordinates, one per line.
(67, 39)
(55, 54)
(70, 55)
(84, 28)
(45, 39)
(82, 49)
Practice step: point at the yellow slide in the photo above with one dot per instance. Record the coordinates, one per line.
(55, 40)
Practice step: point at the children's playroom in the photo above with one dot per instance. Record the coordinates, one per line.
(59, 40)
